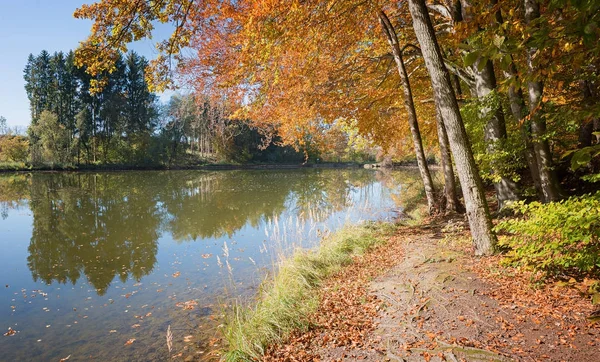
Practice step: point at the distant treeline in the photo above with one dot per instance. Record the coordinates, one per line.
(125, 124)
(69, 124)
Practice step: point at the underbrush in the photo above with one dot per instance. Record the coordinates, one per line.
(285, 303)
(559, 239)
(13, 166)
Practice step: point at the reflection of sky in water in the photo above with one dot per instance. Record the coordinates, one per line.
(265, 214)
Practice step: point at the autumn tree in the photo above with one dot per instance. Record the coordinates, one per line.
(480, 224)
(14, 148)
(409, 107)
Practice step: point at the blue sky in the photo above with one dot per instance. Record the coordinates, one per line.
(29, 26)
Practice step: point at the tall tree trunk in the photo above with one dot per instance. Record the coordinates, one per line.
(94, 134)
(495, 128)
(549, 182)
(409, 105)
(457, 87)
(478, 214)
(517, 108)
(449, 178)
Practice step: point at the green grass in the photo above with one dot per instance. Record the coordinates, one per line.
(285, 303)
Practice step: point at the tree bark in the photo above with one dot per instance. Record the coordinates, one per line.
(484, 240)
(494, 129)
(409, 105)
(517, 107)
(449, 178)
(548, 180)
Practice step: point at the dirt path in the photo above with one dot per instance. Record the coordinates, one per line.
(435, 302)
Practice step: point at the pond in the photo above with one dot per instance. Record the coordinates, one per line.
(100, 265)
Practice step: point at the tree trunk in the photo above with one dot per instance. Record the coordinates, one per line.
(548, 180)
(457, 87)
(449, 178)
(409, 105)
(94, 134)
(495, 128)
(484, 240)
(517, 107)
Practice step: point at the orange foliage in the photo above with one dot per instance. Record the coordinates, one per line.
(290, 66)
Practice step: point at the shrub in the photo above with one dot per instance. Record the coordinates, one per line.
(14, 149)
(558, 238)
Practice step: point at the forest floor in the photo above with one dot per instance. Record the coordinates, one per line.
(424, 297)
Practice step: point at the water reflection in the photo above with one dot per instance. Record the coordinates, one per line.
(98, 226)
(92, 260)
(13, 192)
(107, 226)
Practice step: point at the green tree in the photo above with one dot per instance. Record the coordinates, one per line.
(53, 138)
(140, 102)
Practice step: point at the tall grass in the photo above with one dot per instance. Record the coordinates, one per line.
(285, 302)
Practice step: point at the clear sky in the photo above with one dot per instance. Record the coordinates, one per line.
(30, 26)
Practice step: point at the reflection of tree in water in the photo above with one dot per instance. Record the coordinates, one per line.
(319, 194)
(14, 190)
(97, 225)
(107, 225)
(214, 204)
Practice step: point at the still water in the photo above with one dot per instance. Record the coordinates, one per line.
(97, 266)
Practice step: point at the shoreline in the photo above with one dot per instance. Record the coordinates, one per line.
(214, 167)
(209, 167)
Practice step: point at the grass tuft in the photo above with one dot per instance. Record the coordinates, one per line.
(285, 303)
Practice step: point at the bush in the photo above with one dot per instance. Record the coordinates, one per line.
(14, 149)
(558, 238)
